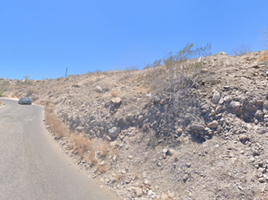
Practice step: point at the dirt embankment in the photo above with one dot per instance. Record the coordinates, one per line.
(165, 132)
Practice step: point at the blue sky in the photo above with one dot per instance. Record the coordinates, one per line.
(42, 38)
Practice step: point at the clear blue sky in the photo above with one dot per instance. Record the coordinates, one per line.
(40, 38)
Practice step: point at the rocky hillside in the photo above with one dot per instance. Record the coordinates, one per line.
(193, 130)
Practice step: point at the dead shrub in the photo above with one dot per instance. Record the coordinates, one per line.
(119, 177)
(102, 169)
(242, 50)
(104, 149)
(132, 80)
(263, 57)
(115, 151)
(55, 124)
(114, 93)
(82, 144)
(91, 159)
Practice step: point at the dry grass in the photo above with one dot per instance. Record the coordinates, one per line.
(115, 151)
(114, 93)
(90, 158)
(263, 57)
(102, 169)
(104, 149)
(55, 124)
(119, 177)
(82, 144)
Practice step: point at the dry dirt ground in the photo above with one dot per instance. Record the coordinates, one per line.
(193, 130)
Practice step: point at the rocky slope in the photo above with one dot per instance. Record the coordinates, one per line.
(196, 130)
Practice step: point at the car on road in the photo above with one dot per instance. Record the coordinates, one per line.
(25, 100)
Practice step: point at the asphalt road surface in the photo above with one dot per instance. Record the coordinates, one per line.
(32, 167)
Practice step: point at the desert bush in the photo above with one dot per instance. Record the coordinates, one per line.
(242, 50)
(186, 53)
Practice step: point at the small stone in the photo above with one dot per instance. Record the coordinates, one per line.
(235, 104)
(188, 165)
(146, 182)
(223, 53)
(98, 89)
(259, 114)
(102, 163)
(213, 124)
(244, 138)
(164, 196)
(170, 194)
(261, 130)
(163, 101)
(165, 151)
(157, 99)
(107, 180)
(216, 97)
(262, 180)
(185, 177)
(137, 191)
(265, 104)
(130, 157)
(116, 101)
(79, 129)
(128, 180)
(179, 131)
(197, 127)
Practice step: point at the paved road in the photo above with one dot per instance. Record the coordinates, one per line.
(31, 165)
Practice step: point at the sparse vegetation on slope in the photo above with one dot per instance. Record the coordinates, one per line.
(167, 132)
